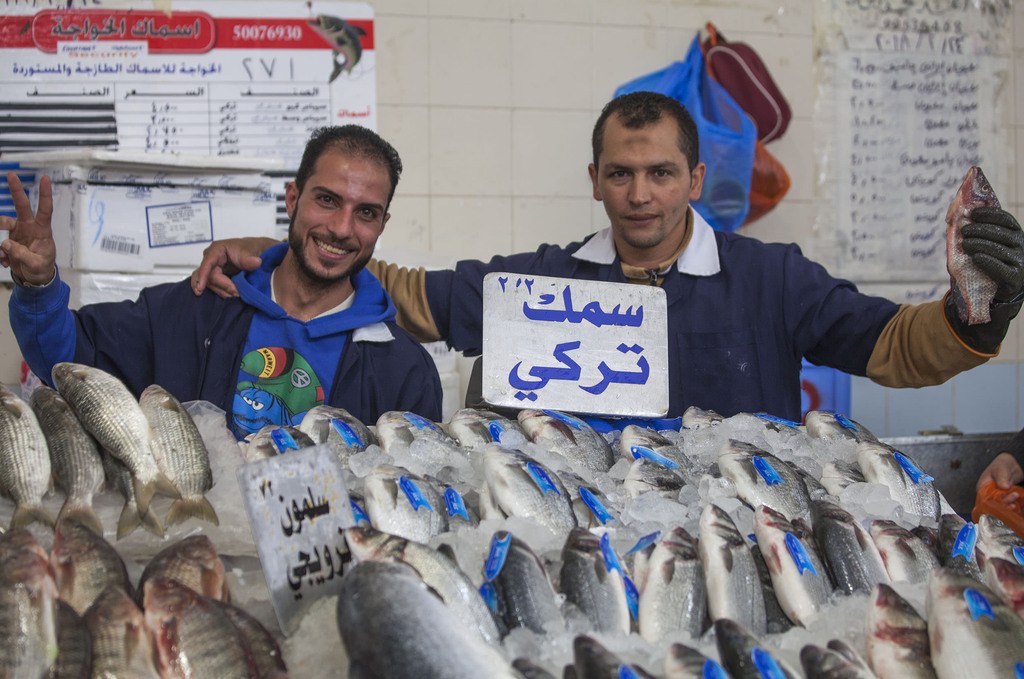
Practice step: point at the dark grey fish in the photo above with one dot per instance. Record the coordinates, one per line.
(674, 596)
(744, 656)
(637, 443)
(897, 637)
(590, 584)
(1006, 578)
(274, 439)
(833, 663)
(338, 428)
(645, 476)
(528, 669)
(697, 418)
(850, 554)
(683, 662)
(518, 485)
(928, 536)
(591, 660)
(523, 594)
(957, 539)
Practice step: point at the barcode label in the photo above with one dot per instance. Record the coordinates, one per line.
(121, 247)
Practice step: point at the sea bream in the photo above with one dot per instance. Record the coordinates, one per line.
(730, 572)
(996, 539)
(640, 443)
(518, 485)
(906, 557)
(74, 656)
(474, 428)
(402, 503)
(425, 441)
(897, 637)
(908, 484)
(800, 580)
(518, 588)
(24, 460)
(971, 288)
(763, 479)
(825, 424)
(338, 429)
(570, 437)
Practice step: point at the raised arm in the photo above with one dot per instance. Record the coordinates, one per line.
(29, 250)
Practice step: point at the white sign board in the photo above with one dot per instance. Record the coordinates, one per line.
(298, 507)
(581, 346)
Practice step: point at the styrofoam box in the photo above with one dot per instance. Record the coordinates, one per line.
(92, 287)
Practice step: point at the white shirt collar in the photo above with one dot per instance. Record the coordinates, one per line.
(700, 258)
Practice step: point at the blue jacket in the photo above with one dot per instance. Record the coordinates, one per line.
(741, 315)
(192, 346)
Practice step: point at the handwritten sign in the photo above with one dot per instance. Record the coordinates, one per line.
(582, 346)
(298, 507)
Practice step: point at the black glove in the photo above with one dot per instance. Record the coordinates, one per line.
(995, 242)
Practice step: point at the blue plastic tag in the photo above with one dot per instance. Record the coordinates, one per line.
(1018, 671)
(844, 422)
(632, 597)
(454, 504)
(347, 434)
(358, 513)
(800, 556)
(1018, 554)
(495, 429)
(713, 670)
(912, 470)
(413, 493)
(777, 420)
(419, 421)
(752, 538)
(766, 665)
(595, 506)
(541, 478)
(978, 604)
(648, 454)
(496, 557)
(966, 538)
(627, 672)
(766, 470)
(490, 596)
(611, 559)
(645, 542)
(566, 419)
(283, 441)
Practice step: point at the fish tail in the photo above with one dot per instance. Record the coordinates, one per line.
(128, 521)
(166, 487)
(336, 71)
(191, 508)
(83, 514)
(144, 492)
(152, 524)
(28, 514)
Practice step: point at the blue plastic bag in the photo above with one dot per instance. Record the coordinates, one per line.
(726, 134)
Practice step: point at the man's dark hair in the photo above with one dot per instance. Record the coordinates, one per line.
(352, 139)
(637, 110)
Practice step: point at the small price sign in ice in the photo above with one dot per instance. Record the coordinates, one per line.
(582, 346)
(298, 507)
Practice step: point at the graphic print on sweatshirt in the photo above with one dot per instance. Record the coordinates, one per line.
(280, 389)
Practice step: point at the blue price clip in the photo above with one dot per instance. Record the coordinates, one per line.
(966, 539)
(358, 513)
(800, 556)
(566, 419)
(419, 422)
(283, 441)
(1018, 671)
(541, 478)
(611, 559)
(648, 454)
(595, 506)
(752, 537)
(632, 597)
(413, 494)
(627, 672)
(844, 422)
(777, 420)
(978, 604)
(496, 557)
(347, 434)
(645, 542)
(766, 470)
(912, 470)
(766, 664)
(454, 504)
(713, 670)
(1018, 554)
(495, 429)
(490, 596)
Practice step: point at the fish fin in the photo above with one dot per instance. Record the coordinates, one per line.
(336, 71)
(152, 524)
(214, 585)
(28, 514)
(83, 514)
(191, 508)
(128, 521)
(144, 492)
(166, 487)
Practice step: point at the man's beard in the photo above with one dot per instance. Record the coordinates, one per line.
(315, 278)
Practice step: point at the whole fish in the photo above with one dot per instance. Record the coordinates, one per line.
(439, 572)
(776, 619)
(825, 424)
(273, 439)
(425, 440)
(744, 656)
(897, 637)
(74, 656)
(337, 428)
(193, 562)
(730, 573)
(996, 539)
(1006, 578)
(265, 652)
(119, 477)
(697, 418)
(837, 661)
(589, 504)
(392, 625)
(971, 632)
(344, 39)
(683, 662)
(570, 437)
(593, 585)
(815, 491)
(838, 474)
(800, 580)
(645, 476)
(474, 428)
(591, 660)
(519, 587)
(957, 539)
(74, 456)
(180, 454)
(674, 597)
(28, 608)
(637, 443)
(84, 564)
(194, 637)
(404, 504)
(24, 460)
(122, 645)
(763, 479)
(929, 537)
(906, 557)
(971, 288)
(111, 414)
(907, 483)
(517, 485)
(850, 554)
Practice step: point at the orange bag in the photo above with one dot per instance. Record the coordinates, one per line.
(768, 184)
(990, 501)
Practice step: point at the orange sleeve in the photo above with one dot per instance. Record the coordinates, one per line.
(408, 290)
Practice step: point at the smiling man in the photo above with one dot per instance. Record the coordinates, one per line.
(309, 326)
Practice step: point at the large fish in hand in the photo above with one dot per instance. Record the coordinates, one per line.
(972, 288)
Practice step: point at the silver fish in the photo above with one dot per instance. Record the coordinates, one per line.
(972, 289)
(28, 607)
(850, 554)
(645, 476)
(730, 573)
(84, 564)
(683, 662)
(392, 625)
(266, 654)
(825, 424)
(122, 645)
(521, 590)
(425, 440)
(193, 562)
(744, 656)
(837, 475)
(24, 460)
(474, 428)
(971, 632)
(589, 504)
(338, 429)
(591, 660)
(111, 414)
(180, 454)
(837, 661)
(906, 557)
(996, 539)
(637, 442)
(74, 456)
(521, 486)
(74, 657)
(897, 637)
(907, 483)
(697, 418)
(592, 585)
(439, 572)
(570, 437)
(957, 539)
(674, 597)
(1006, 578)
(404, 504)
(274, 439)
(776, 618)
(763, 479)
(800, 580)
(119, 477)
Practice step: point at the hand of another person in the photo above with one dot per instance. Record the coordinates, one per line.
(224, 258)
(29, 250)
(1005, 472)
(995, 242)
